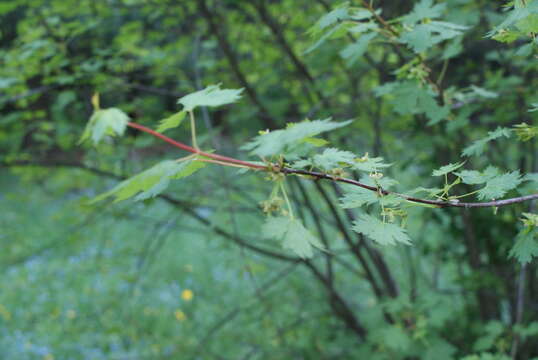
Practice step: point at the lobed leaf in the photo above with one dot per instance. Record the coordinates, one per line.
(354, 51)
(381, 232)
(332, 158)
(410, 97)
(424, 10)
(498, 186)
(424, 36)
(477, 147)
(152, 181)
(526, 246)
(171, 121)
(333, 17)
(443, 170)
(105, 122)
(369, 164)
(356, 197)
(212, 96)
(293, 234)
(279, 141)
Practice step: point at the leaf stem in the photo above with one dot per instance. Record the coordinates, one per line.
(285, 194)
(223, 163)
(193, 130)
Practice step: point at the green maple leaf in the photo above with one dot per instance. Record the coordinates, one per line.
(409, 97)
(293, 235)
(333, 17)
(477, 147)
(419, 39)
(424, 10)
(281, 141)
(498, 186)
(353, 52)
(332, 158)
(424, 36)
(379, 231)
(443, 170)
(385, 182)
(355, 197)
(333, 32)
(171, 121)
(369, 164)
(212, 96)
(152, 181)
(105, 122)
(473, 177)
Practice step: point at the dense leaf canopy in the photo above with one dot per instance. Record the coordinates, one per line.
(338, 179)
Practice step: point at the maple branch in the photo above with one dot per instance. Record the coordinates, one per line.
(193, 150)
(320, 175)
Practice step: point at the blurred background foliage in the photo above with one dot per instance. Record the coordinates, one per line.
(186, 275)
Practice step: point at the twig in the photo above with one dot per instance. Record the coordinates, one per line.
(319, 175)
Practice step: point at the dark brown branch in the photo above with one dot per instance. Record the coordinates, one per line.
(380, 264)
(436, 203)
(319, 226)
(275, 28)
(338, 304)
(218, 31)
(353, 247)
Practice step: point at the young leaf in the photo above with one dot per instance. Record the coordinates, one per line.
(353, 52)
(105, 122)
(210, 96)
(369, 164)
(152, 181)
(356, 197)
(331, 158)
(477, 148)
(424, 10)
(322, 39)
(525, 132)
(498, 186)
(278, 141)
(424, 36)
(333, 17)
(473, 177)
(384, 182)
(381, 232)
(171, 121)
(293, 235)
(443, 170)
(410, 97)
(526, 246)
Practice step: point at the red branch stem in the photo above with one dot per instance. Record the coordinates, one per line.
(319, 175)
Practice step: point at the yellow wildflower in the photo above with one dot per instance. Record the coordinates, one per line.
(180, 315)
(187, 295)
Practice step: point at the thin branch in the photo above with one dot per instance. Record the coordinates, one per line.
(319, 175)
(216, 26)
